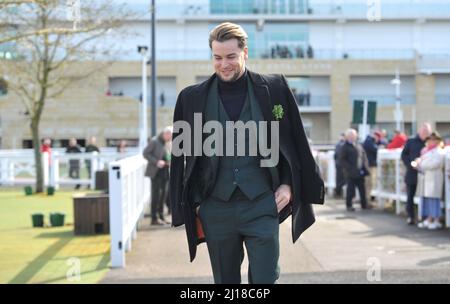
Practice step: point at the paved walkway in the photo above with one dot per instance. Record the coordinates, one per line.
(340, 247)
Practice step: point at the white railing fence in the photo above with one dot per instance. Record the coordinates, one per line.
(390, 179)
(447, 189)
(327, 166)
(129, 193)
(17, 167)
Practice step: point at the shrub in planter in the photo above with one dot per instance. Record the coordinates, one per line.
(57, 219)
(37, 219)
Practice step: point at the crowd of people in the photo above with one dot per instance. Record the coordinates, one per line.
(74, 148)
(284, 51)
(356, 168)
(303, 98)
(423, 157)
(157, 153)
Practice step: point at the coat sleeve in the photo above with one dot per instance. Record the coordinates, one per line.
(148, 153)
(406, 155)
(433, 162)
(365, 160)
(312, 189)
(177, 171)
(343, 159)
(370, 146)
(284, 172)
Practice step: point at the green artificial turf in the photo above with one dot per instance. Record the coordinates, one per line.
(47, 254)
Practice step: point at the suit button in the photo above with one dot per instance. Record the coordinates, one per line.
(234, 183)
(236, 170)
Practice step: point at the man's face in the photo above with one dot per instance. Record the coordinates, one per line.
(424, 132)
(167, 136)
(352, 136)
(229, 59)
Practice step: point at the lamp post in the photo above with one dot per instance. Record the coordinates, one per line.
(398, 114)
(152, 10)
(143, 107)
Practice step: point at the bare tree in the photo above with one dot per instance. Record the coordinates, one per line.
(50, 48)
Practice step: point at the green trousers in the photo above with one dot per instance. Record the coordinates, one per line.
(229, 225)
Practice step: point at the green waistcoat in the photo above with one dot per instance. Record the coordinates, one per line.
(244, 172)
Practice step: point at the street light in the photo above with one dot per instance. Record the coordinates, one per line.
(153, 83)
(143, 107)
(398, 114)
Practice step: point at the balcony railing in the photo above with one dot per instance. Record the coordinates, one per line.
(377, 54)
(405, 9)
(434, 61)
(291, 53)
(442, 99)
(387, 10)
(312, 100)
(385, 100)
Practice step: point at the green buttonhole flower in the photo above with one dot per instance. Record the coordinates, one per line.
(278, 111)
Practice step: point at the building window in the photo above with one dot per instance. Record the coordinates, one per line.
(310, 91)
(277, 40)
(130, 142)
(275, 7)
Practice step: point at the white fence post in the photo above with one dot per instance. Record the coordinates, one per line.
(397, 186)
(55, 169)
(331, 174)
(94, 167)
(4, 171)
(115, 216)
(378, 181)
(46, 168)
(10, 175)
(447, 189)
(128, 195)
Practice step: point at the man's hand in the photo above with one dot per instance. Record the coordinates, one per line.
(416, 163)
(283, 196)
(160, 164)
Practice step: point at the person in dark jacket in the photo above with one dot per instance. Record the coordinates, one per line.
(231, 201)
(340, 180)
(353, 159)
(158, 157)
(74, 164)
(371, 145)
(90, 148)
(410, 152)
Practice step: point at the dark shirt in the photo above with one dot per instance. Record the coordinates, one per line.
(409, 153)
(352, 159)
(74, 163)
(91, 148)
(232, 95)
(337, 150)
(371, 147)
(73, 149)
